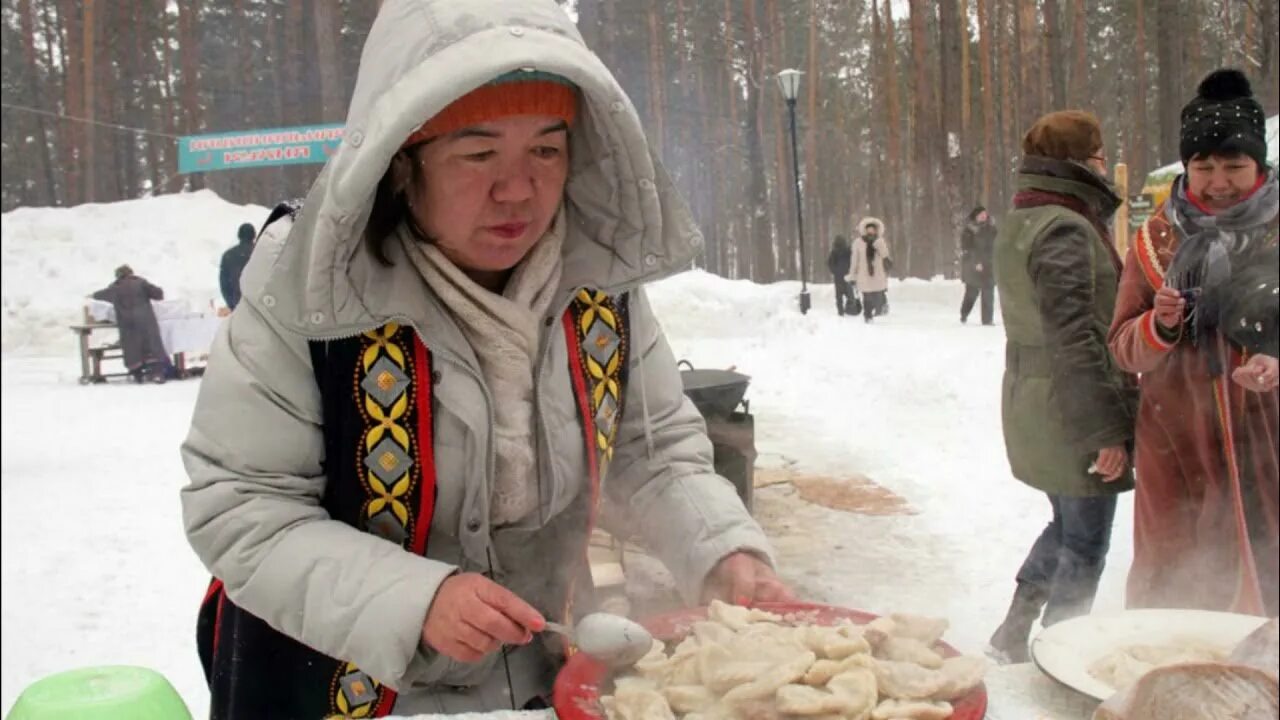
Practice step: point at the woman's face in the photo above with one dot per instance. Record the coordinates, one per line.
(1221, 181)
(487, 193)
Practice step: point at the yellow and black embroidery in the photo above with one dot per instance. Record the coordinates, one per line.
(600, 330)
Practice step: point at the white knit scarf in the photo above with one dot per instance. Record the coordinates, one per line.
(503, 331)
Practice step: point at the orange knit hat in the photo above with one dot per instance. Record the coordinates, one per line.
(515, 93)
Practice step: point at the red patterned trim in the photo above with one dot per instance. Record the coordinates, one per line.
(217, 616)
(216, 593)
(579, 377)
(1146, 252)
(426, 449)
(584, 406)
(215, 587)
(1151, 333)
(1248, 597)
(386, 701)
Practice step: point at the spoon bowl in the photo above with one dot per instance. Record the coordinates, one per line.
(612, 639)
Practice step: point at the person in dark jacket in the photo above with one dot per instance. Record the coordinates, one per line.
(977, 265)
(1068, 410)
(233, 262)
(838, 261)
(131, 296)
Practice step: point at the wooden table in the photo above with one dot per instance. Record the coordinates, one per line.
(91, 356)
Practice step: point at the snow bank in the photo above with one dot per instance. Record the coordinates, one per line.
(51, 258)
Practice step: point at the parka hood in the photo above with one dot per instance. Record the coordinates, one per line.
(626, 222)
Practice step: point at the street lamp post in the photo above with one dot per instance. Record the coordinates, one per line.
(789, 81)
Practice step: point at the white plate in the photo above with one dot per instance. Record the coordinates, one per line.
(1065, 651)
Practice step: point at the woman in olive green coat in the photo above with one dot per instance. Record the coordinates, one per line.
(1068, 411)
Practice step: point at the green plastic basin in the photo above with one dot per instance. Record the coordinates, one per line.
(117, 692)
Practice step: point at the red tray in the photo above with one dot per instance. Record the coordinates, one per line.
(577, 690)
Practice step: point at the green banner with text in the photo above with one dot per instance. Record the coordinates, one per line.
(258, 148)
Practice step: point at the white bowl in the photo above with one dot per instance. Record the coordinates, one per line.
(1065, 651)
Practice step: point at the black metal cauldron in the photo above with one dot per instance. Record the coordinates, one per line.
(716, 393)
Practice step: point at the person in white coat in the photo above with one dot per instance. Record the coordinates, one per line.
(443, 373)
(871, 266)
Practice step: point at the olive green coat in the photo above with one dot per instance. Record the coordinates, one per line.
(1064, 399)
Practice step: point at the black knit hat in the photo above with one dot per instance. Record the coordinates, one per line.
(246, 232)
(1224, 118)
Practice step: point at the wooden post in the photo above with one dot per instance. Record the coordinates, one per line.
(1121, 231)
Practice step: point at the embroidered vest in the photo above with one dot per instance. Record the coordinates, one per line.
(376, 391)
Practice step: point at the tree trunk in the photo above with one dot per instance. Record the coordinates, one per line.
(1140, 139)
(894, 121)
(966, 73)
(1193, 68)
(1079, 66)
(1269, 57)
(48, 194)
(143, 47)
(1168, 80)
(783, 191)
(1008, 103)
(72, 49)
(757, 191)
(328, 49)
(189, 54)
(708, 179)
(297, 102)
(657, 78)
(954, 145)
(732, 243)
(812, 197)
(57, 79)
(1057, 90)
(988, 101)
(923, 134)
(1028, 78)
(89, 167)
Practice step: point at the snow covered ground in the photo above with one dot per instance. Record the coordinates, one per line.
(94, 568)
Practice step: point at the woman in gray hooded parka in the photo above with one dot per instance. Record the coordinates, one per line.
(442, 373)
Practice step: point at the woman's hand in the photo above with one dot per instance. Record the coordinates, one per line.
(1111, 463)
(1169, 308)
(472, 616)
(742, 578)
(1260, 374)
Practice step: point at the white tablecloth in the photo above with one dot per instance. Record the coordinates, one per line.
(181, 330)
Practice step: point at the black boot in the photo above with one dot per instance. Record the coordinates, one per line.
(1010, 639)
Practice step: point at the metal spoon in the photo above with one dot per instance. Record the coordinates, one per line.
(612, 639)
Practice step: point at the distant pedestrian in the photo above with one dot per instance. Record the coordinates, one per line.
(838, 262)
(131, 295)
(233, 262)
(870, 267)
(977, 265)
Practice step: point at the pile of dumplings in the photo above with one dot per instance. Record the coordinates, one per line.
(748, 664)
